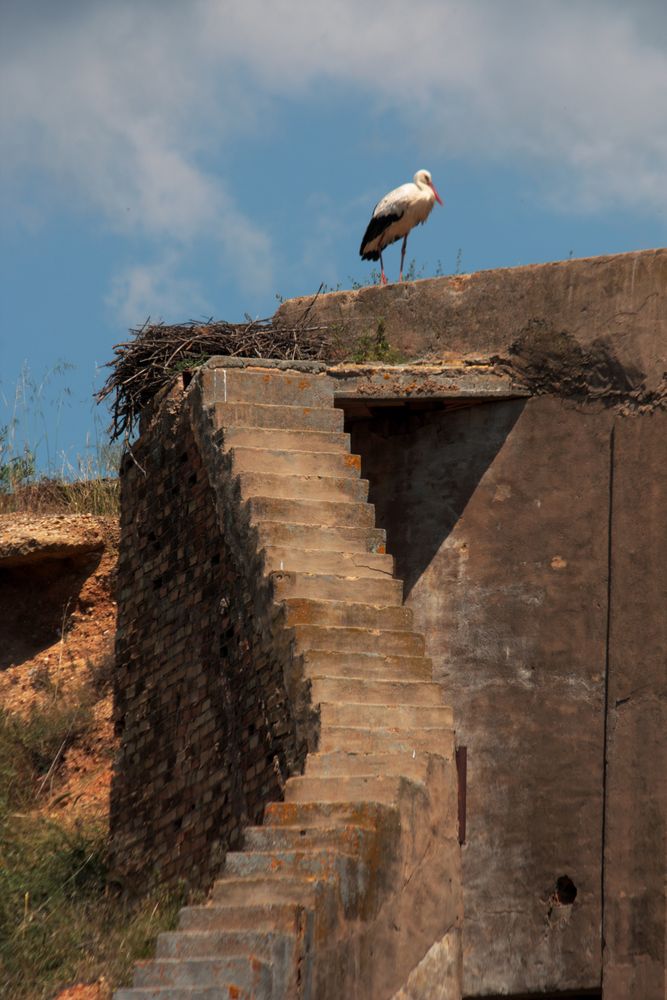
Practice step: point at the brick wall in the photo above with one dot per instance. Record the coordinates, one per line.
(206, 725)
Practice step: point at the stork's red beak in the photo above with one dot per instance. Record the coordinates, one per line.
(437, 196)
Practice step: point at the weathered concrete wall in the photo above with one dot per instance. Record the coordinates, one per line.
(201, 707)
(636, 788)
(498, 516)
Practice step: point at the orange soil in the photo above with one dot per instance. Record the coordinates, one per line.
(83, 637)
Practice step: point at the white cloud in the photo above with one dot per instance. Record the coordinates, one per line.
(155, 291)
(580, 89)
(119, 104)
(112, 105)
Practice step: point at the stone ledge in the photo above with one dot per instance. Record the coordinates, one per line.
(312, 367)
(378, 381)
(26, 538)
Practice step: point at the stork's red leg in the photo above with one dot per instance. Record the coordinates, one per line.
(405, 243)
(383, 276)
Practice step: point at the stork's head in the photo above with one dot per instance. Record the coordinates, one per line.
(423, 180)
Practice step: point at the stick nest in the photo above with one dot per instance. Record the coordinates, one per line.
(158, 353)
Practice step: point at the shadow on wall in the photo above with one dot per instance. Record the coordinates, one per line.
(423, 467)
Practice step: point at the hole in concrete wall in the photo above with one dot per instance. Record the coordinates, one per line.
(565, 891)
(559, 900)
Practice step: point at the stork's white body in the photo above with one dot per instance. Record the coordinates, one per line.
(396, 214)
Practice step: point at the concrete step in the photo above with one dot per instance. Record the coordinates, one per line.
(244, 972)
(326, 587)
(280, 951)
(262, 385)
(219, 992)
(306, 611)
(283, 557)
(287, 918)
(359, 640)
(324, 863)
(296, 463)
(389, 693)
(316, 537)
(399, 717)
(212, 944)
(328, 442)
(334, 513)
(325, 897)
(285, 487)
(410, 764)
(353, 840)
(327, 419)
(345, 882)
(266, 889)
(355, 788)
(433, 739)
(336, 663)
(317, 815)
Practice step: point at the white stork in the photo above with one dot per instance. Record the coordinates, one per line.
(395, 215)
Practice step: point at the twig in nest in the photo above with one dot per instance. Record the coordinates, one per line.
(158, 352)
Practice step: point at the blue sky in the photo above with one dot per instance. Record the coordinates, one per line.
(185, 160)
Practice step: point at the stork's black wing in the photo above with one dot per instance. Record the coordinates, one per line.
(376, 227)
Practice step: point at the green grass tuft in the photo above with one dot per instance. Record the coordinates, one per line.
(62, 918)
(61, 922)
(376, 347)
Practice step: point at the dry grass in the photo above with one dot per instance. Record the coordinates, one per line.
(60, 496)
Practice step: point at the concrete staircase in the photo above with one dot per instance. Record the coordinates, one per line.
(344, 888)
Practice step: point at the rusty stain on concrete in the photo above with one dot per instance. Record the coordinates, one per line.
(503, 492)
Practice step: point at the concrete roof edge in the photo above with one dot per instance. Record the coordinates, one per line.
(484, 273)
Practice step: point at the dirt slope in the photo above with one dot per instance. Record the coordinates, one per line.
(57, 623)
